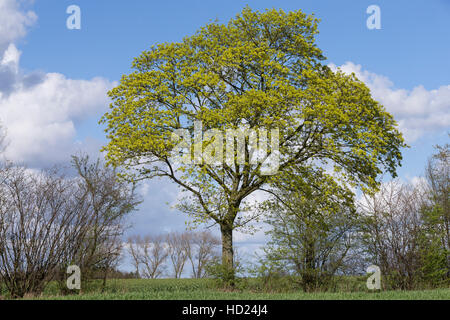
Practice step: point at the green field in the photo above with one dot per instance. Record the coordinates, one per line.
(205, 289)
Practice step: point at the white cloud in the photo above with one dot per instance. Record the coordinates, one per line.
(41, 111)
(417, 111)
(41, 118)
(11, 58)
(13, 22)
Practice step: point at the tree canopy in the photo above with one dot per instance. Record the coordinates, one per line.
(260, 70)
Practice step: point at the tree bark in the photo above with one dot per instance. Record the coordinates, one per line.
(227, 252)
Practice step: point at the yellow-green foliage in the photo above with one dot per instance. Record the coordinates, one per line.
(263, 69)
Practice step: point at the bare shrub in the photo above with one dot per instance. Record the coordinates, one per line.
(392, 232)
(41, 223)
(49, 221)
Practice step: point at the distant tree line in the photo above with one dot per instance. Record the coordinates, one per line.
(155, 256)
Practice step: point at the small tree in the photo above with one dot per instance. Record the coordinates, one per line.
(108, 201)
(436, 218)
(437, 174)
(311, 218)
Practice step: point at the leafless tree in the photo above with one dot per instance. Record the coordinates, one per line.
(109, 201)
(149, 252)
(133, 249)
(177, 244)
(201, 248)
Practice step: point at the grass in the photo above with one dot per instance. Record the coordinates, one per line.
(206, 289)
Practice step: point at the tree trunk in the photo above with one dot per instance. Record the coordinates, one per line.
(309, 279)
(105, 276)
(227, 253)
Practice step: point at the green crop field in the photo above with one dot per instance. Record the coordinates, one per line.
(205, 289)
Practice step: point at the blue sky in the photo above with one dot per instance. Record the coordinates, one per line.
(53, 81)
(413, 33)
